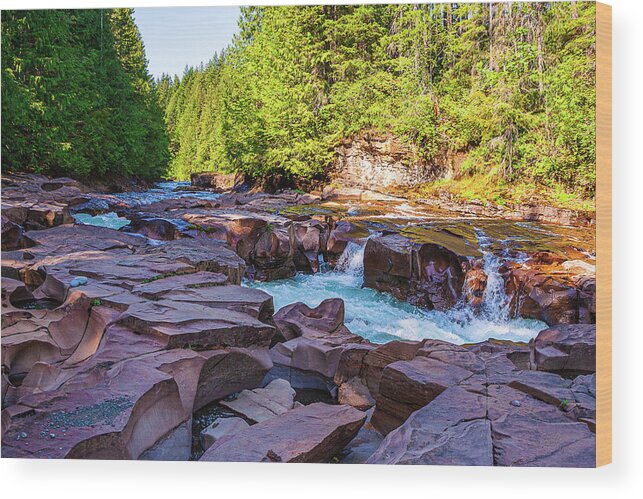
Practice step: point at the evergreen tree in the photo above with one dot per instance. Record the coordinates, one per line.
(76, 96)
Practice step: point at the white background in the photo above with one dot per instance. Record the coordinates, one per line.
(623, 479)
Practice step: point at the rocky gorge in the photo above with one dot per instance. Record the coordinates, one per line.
(217, 322)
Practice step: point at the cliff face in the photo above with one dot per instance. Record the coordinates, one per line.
(379, 161)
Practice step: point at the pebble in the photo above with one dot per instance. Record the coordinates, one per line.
(78, 281)
(516, 403)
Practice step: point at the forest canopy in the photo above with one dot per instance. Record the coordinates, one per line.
(510, 87)
(77, 98)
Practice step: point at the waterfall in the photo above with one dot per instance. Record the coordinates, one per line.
(495, 302)
(352, 259)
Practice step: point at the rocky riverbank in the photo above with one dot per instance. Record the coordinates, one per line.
(112, 340)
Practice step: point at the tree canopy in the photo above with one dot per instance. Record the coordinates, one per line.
(76, 96)
(511, 85)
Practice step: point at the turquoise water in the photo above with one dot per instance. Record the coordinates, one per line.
(161, 191)
(110, 220)
(376, 316)
(380, 317)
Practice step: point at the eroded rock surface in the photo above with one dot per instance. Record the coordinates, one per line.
(112, 340)
(310, 434)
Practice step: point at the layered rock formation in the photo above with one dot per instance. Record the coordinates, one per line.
(113, 342)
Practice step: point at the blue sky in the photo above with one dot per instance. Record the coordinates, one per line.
(176, 36)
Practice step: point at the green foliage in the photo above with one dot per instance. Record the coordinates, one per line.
(510, 85)
(76, 96)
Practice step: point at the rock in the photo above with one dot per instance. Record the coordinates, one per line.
(565, 347)
(219, 428)
(324, 322)
(300, 380)
(450, 430)
(262, 404)
(351, 362)
(202, 255)
(12, 235)
(523, 441)
(316, 337)
(229, 371)
(307, 355)
(153, 290)
(119, 418)
(155, 227)
(376, 360)
(475, 283)
(342, 234)
(377, 162)
(427, 274)
(220, 182)
(179, 324)
(175, 446)
(547, 288)
(408, 385)
(265, 242)
(308, 434)
(363, 446)
(310, 237)
(354, 393)
(549, 388)
(251, 301)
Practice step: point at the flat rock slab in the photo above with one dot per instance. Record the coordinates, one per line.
(308, 434)
(219, 428)
(160, 287)
(262, 404)
(521, 440)
(251, 301)
(203, 255)
(178, 324)
(451, 430)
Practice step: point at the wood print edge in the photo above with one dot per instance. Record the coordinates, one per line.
(603, 234)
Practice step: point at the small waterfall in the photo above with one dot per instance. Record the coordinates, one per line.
(352, 259)
(495, 304)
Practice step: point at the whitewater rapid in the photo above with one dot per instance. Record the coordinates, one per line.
(379, 317)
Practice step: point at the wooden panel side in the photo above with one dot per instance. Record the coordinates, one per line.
(603, 234)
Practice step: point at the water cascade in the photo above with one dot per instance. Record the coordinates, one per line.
(379, 317)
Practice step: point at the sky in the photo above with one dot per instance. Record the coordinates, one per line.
(176, 36)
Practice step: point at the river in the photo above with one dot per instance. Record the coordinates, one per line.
(376, 316)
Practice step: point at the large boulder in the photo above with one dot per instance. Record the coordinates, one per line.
(307, 434)
(425, 274)
(314, 337)
(566, 347)
(265, 242)
(324, 322)
(551, 289)
(409, 385)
